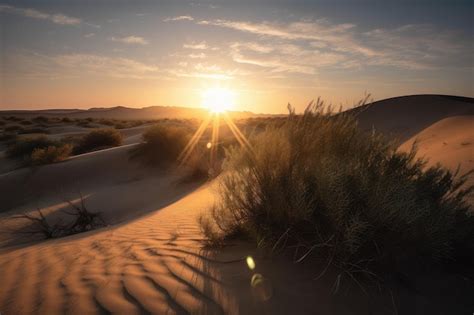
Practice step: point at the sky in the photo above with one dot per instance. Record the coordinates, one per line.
(83, 54)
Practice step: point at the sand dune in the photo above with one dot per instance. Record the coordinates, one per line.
(152, 259)
(157, 264)
(449, 142)
(403, 117)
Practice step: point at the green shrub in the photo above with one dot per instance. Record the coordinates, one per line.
(24, 147)
(162, 144)
(98, 139)
(321, 185)
(50, 154)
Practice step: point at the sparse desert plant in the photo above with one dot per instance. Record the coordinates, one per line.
(50, 154)
(162, 144)
(98, 139)
(13, 118)
(41, 119)
(84, 123)
(107, 122)
(24, 147)
(34, 130)
(83, 220)
(7, 137)
(66, 119)
(26, 123)
(13, 128)
(321, 186)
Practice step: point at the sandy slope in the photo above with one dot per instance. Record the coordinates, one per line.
(449, 142)
(405, 116)
(150, 264)
(157, 264)
(130, 136)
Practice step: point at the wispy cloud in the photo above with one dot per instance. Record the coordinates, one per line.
(305, 45)
(89, 35)
(78, 65)
(285, 57)
(106, 66)
(197, 56)
(179, 18)
(131, 40)
(57, 18)
(201, 45)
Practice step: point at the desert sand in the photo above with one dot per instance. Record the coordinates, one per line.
(152, 258)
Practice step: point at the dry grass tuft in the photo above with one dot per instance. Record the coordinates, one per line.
(98, 139)
(320, 186)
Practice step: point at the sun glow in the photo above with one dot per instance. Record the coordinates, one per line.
(218, 100)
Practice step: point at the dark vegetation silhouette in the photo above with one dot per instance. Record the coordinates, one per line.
(38, 150)
(98, 139)
(162, 145)
(83, 220)
(319, 186)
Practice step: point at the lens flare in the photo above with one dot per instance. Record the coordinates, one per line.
(250, 262)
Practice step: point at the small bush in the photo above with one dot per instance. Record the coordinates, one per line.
(83, 221)
(23, 148)
(98, 139)
(320, 184)
(41, 119)
(162, 144)
(34, 130)
(84, 124)
(7, 137)
(13, 118)
(26, 123)
(66, 120)
(51, 154)
(14, 128)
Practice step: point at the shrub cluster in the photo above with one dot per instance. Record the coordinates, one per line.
(38, 150)
(321, 185)
(98, 139)
(162, 145)
(23, 147)
(50, 154)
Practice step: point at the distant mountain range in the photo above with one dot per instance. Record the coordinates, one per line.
(401, 116)
(121, 112)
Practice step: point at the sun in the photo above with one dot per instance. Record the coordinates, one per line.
(218, 100)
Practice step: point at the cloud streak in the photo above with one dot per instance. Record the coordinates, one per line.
(130, 40)
(57, 18)
(179, 18)
(77, 65)
(306, 45)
